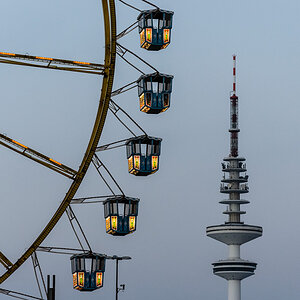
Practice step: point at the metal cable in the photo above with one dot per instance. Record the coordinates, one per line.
(81, 200)
(125, 32)
(142, 60)
(18, 295)
(131, 64)
(106, 147)
(36, 277)
(120, 90)
(115, 114)
(125, 113)
(97, 168)
(113, 179)
(130, 5)
(77, 237)
(36, 264)
(80, 228)
(150, 3)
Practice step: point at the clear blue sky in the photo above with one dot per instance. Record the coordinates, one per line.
(53, 112)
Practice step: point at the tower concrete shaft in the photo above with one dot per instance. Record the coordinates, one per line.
(234, 289)
(234, 232)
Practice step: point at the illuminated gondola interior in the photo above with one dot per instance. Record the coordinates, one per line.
(88, 271)
(120, 213)
(155, 28)
(155, 92)
(143, 155)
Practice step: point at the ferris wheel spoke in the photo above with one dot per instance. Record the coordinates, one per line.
(98, 164)
(51, 63)
(5, 261)
(113, 145)
(129, 5)
(18, 295)
(60, 250)
(38, 274)
(121, 51)
(150, 3)
(115, 108)
(128, 30)
(125, 88)
(74, 222)
(92, 199)
(37, 156)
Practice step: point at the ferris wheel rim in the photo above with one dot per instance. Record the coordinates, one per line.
(108, 8)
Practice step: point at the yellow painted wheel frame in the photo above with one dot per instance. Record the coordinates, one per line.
(110, 57)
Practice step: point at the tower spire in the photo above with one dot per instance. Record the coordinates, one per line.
(234, 74)
(234, 128)
(234, 232)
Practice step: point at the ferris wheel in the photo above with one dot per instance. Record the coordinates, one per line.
(143, 151)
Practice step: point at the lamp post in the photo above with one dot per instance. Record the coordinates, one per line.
(50, 290)
(122, 286)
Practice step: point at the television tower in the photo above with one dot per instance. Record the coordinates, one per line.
(234, 232)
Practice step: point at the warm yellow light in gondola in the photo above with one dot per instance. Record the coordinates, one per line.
(154, 162)
(149, 35)
(130, 163)
(74, 280)
(147, 45)
(142, 37)
(137, 161)
(81, 279)
(114, 223)
(166, 36)
(142, 101)
(99, 279)
(145, 109)
(107, 223)
(131, 223)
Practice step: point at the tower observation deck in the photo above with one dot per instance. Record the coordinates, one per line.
(234, 232)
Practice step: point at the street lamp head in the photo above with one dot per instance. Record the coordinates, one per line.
(115, 257)
(125, 257)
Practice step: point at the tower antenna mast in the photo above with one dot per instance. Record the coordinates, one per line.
(234, 126)
(234, 74)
